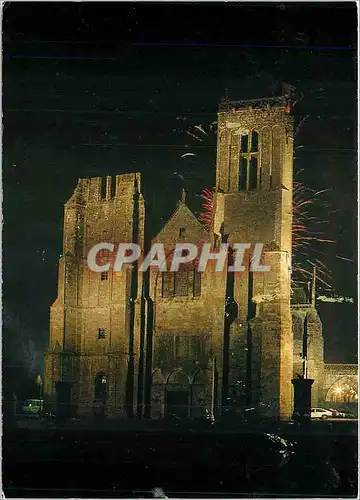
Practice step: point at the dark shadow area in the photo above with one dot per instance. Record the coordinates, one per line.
(106, 462)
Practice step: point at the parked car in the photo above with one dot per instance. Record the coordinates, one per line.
(32, 406)
(337, 413)
(320, 413)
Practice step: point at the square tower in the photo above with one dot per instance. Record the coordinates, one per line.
(253, 204)
(94, 322)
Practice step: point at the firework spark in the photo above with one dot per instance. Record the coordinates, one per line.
(307, 232)
(344, 258)
(305, 237)
(199, 127)
(200, 132)
(305, 255)
(206, 217)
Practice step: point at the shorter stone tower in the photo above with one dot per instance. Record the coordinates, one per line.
(94, 328)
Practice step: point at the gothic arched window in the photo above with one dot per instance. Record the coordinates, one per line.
(244, 143)
(249, 174)
(254, 141)
(253, 172)
(103, 188)
(243, 174)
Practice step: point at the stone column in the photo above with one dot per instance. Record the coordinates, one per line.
(302, 398)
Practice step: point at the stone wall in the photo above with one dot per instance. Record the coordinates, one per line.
(340, 375)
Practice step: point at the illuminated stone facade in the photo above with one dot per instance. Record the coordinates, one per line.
(150, 344)
(93, 314)
(254, 204)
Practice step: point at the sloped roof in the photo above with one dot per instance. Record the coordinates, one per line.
(182, 217)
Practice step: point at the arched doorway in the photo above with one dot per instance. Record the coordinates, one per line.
(177, 395)
(344, 390)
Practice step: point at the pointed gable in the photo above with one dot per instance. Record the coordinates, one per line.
(183, 226)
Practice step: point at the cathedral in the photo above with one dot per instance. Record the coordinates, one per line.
(146, 345)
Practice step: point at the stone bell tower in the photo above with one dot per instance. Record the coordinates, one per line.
(253, 204)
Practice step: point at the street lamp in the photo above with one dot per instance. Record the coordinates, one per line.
(305, 361)
(39, 383)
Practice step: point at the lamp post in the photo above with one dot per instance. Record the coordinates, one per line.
(214, 393)
(305, 366)
(39, 383)
(302, 388)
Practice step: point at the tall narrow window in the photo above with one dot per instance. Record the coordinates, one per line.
(113, 186)
(182, 232)
(104, 276)
(197, 284)
(168, 284)
(254, 141)
(253, 173)
(243, 174)
(103, 188)
(181, 283)
(248, 165)
(244, 144)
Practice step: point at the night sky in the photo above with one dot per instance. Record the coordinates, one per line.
(93, 89)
